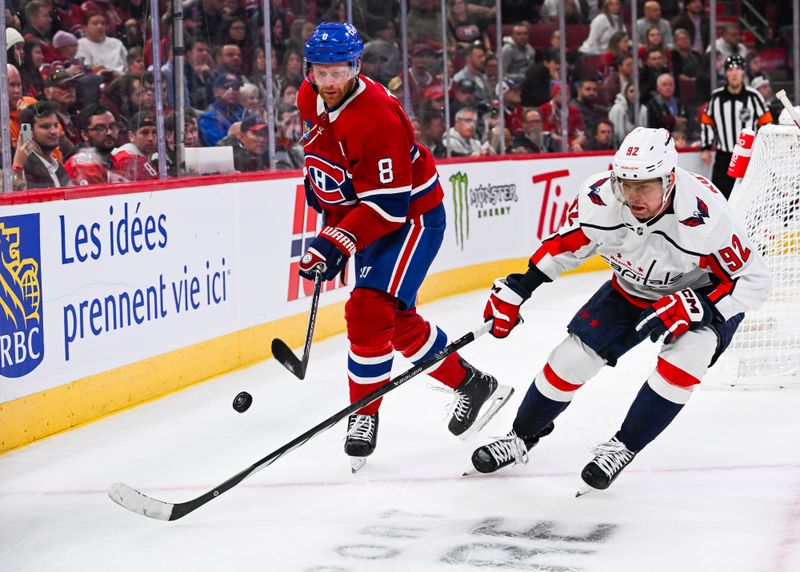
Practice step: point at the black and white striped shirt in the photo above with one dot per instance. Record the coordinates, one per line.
(728, 113)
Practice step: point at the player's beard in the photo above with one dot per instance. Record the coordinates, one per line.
(333, 96)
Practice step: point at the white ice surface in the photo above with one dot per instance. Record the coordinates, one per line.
(719, 490)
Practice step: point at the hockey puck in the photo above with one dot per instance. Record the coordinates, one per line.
(242, 402)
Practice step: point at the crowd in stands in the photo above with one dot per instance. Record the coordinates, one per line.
(81, 80)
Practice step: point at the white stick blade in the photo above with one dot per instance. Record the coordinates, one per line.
(134, 501)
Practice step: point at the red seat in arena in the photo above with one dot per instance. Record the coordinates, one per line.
(539, 35)
(687, 86)
(576, 34)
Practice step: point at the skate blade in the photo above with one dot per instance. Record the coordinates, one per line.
(357, 463)
(491, 408)
(584, 490)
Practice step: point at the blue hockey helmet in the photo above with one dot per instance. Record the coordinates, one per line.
(334, 43)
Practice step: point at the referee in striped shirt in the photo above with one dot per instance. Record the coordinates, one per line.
(731, 108)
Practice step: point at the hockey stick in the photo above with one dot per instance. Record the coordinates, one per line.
(139, 503)
(788, 105)
(281, 351)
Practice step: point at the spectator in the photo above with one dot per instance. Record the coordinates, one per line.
(191, 138)
(762, 85)
(431, 132)
(136, 62)
(618, 78)
(460, 139)
(540, 78)
(34, 166)
(551, 115)
(250, 99)
(371, 67)
(233, 31)
(619, 46)
(288, 150)
(474, 70)
(729, 44)
(575, 12)
(602, 137)
(491, 74)
(532, 138)
(654, 41)
(100, 52)
(463, 27)
(686, 63)
(753, 67)
(419, 74)
(288, 94)
(131, 161)
(60, 89)
(463, 96)
(586, 103)
(424, 21)
(229, 61)
(32, 81)
(90, 163)
(14, 97)
(225, 110)
(693, 19)
(250, 155)
(512, 104)
(664, 109)
(652, 17)
(603, 27)
(654, 67)
(15, 44)
(39, 26)
(621, 115)
(292, 67)
(384, 44)
(517, 53)
(198, 73)
(67, 47)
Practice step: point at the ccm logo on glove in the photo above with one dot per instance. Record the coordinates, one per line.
(675, 314)
(503, 306)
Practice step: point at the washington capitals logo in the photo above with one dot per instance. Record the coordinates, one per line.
(699, 215)
(594, 193)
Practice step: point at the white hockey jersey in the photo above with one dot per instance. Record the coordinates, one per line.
(695, 243)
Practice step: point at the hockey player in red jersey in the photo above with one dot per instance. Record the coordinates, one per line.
(682, 268)
(382, 201)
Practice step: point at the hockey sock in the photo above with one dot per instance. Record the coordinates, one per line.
(417, 340)
(536, 412)
(648, 416)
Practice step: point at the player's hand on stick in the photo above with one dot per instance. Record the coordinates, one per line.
(675, 314)
(503, 305)
(328, 253)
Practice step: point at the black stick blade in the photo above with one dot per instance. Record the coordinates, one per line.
(287, 358)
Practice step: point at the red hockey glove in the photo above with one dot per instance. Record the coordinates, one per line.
(676, 314)
(327, 253)
(503, 305)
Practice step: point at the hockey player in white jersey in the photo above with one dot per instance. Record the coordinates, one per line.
(682, 269)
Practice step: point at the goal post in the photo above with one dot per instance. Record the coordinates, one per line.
(765, 352)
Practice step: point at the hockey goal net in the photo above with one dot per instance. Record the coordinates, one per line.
(765, 352)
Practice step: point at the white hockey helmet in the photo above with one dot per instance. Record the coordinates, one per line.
(645, 154)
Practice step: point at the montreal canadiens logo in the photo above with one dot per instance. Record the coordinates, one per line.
(326, 178)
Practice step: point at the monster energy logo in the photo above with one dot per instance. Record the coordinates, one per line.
(487, 200)
(460, 184)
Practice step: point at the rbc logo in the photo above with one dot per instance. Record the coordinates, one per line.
(21, 320)
(327, 179)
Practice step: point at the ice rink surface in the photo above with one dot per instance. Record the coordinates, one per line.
(719, 490)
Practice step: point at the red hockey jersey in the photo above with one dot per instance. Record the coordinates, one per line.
(362, 164)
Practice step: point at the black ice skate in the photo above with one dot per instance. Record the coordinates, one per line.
(362, 437)
(508, 450)
(477, 389)
(608, 463)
